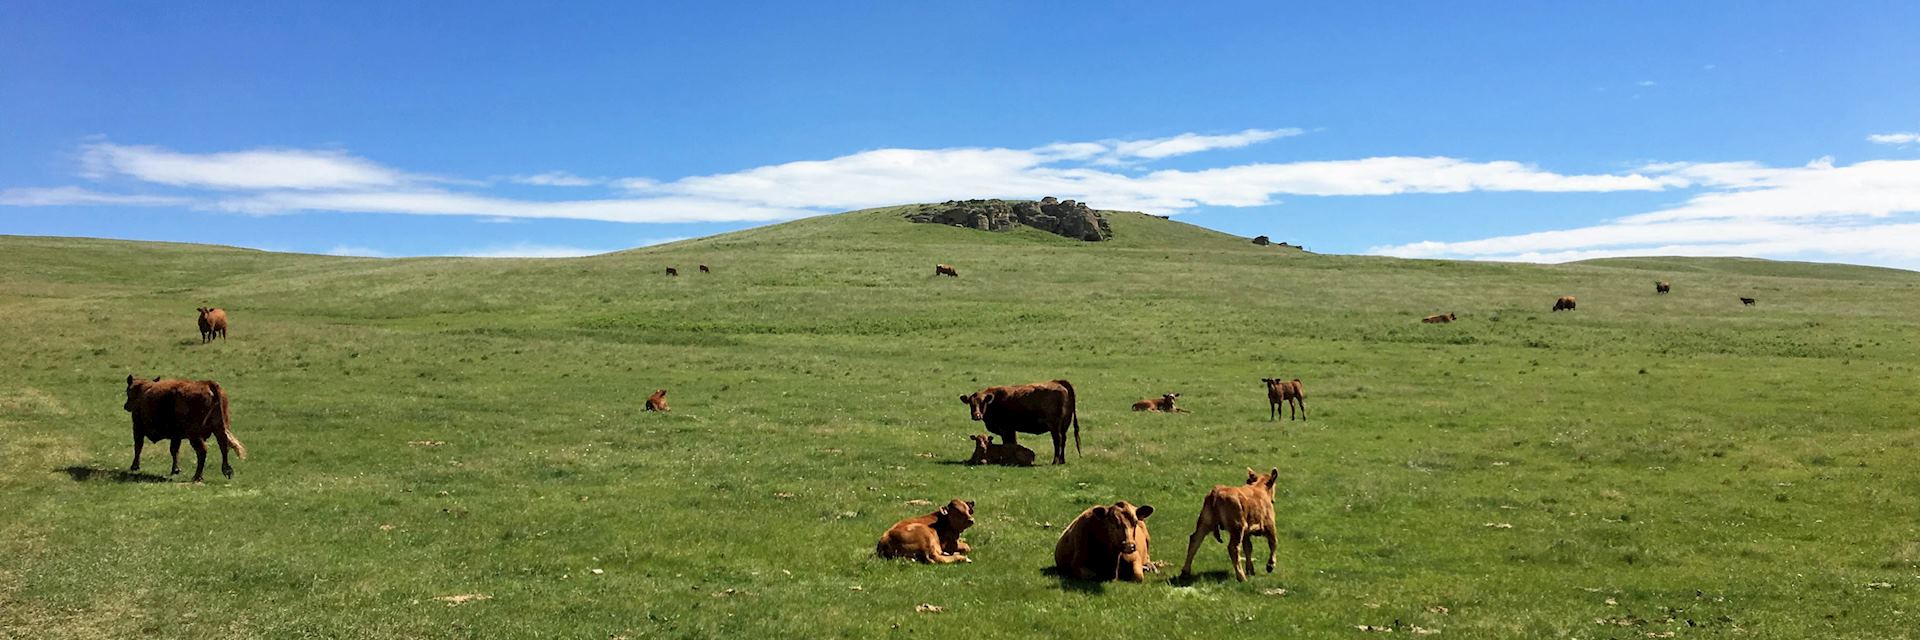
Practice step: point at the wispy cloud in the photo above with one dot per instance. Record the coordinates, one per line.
(554, 179)
(251, 169)
(64, 196)
(1901, 138)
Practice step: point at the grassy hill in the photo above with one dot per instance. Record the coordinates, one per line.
(1645, 464)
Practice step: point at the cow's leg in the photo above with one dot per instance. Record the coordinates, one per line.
(173, 447)
(226, 468)
(1303, 409)
(960, 547)
(199, 450)
(931, 557)
(1273, 549)
(1059, 446)
(138, 444)
(1246, 553)
(1193, 546)
(1236, 536)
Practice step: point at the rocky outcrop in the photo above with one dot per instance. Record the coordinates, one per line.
(1052, 215)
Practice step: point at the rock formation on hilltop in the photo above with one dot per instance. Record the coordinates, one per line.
(1052, 215)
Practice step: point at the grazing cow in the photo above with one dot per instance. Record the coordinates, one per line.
(933, 538)
(704, 269)
(1439, 319)
(1245, 512)
(986, 452)
(181, 410)
(1564, 303)
(1041, 407)
(1162, 404)
(1106, 543)
(213, 323)
(1662, 287)
(1287, 393)
(945, 270)
(1746, 301)
(672, 271)
(657, 401)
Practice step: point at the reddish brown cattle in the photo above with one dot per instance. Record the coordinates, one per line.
(672, 271)
(945, 270)
(1106, 543)
(1746, 301)
(1162, 404)
(986, 452)
(213, 324)
(1662, 287)
(657, 401)
(1565, 303)
(933, 538)
(178, 410)
(704, 269)
(1244, 512)
(1439, 319)
(1285, 393)
(1042, 407)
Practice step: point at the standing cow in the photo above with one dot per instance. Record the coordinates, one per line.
(213, 323)
(672, 271)
(1041, 407)
(1244, 512)
(1662, 287)
(945, 270)
(704, 269)
(181, 409)
(1286, 393)
(1565, 303)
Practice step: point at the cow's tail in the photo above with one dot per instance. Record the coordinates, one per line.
(225, 432)
(1206, 513)
(1073, 411)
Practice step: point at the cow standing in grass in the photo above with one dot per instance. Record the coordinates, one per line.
(213, 323)
(1745, 301)
(672, 271)
(704, 269)
(1287, 393)
(1662, 287)
(945, 270)
(181, 409)
(1565, 303)
(1244, 512)
(1042, 407)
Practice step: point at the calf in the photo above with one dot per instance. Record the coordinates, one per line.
(672, 271)
(213, 323)
(1245, 512)
(1106, 543)
(1439, 319)
(1662, 287)
(1287, 393)
(704, 269)
(1746, 301)
(657, 401)
(1162, 404)
(945, 270)
(1564, 303)
(1041, 407)
(181, 409)
(986, 452)
(933, 538)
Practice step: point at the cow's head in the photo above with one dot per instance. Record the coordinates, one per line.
(957, 514)
(1263, 482)
(1125, 527)
(135, 387)
(978, 401)
(1169, 398)
(659, 393)
(203, 311)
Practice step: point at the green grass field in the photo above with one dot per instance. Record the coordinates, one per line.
(1643, 465)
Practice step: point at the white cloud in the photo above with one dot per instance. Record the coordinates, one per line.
(1186, 143)
(63, 196)
(554, 179)
(1901, 138)
(252, 169)
(430, 202)
(1646, 83)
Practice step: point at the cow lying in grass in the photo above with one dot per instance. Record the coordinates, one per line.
(986, 452)
(1106, 543)
(1162, 404)
(1565, 303)
(657, 401)
(213, 323)
(1041, 407)
(1244, 512)
(181, 409)
(933, 538)
(1439, 319)
(1281, 393)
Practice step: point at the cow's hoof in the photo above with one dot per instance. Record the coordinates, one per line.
(228, 472)
(174, 472)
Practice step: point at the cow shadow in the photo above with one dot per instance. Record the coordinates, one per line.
(1069, 583)
(1210, 577)
(90, 474)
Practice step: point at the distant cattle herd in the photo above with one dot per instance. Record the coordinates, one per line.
(1105, 542)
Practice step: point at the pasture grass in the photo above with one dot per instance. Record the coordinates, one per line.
(1643, 465)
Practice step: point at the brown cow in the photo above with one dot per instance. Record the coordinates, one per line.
(1106, 543)
(1245, 512)
(704, 269)
(1746, 301)
(672, 271)
(945, 270)
(1439, 319)
(1162, 404)
(657, 401)
(933, 538)
(181, 409)
(986, 452)
(1662, 287)
(1281, 393)
(1564, 303)
(213, 323)
(1041, 407)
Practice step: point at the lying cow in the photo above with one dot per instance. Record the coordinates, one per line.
(1041, 407)
(178, 410)
(657, 401)
(1662, 287)
(1565, 303)
(1439, 319)
(1162, 404)
(945, 270)
(213, 323)
(1287, 393)
(933, 538)
(1244, 512)
(1106, 543)
(986, 452)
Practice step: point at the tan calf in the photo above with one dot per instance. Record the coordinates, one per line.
(1244, 512)
(933, 538)
(986, 452)
(657, 401)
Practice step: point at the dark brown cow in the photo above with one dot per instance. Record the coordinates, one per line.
(933, 538)
(1162, 404)
(1041, 407)
(657, 401)
(1288, 393)
(986, 452)
(181, 410)
(945, 270)
(1244, 512)
(1662, 287)
(1106, 543)
(672, 271)
(213, 323)
(1746, 301)
(1439, 319)
(704, 269)
(1565, 303)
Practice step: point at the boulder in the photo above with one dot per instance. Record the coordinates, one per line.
(1262, 241)
(1059, 217)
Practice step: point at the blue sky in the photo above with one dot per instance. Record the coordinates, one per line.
(1525, 131)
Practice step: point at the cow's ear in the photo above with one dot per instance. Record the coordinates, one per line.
(129, 379)
(1144, 511)
(1273, 477)
(1100, 511)
(1252, 476)
(969, 505)
(966, 399)
(988, 399)
(944, 511)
